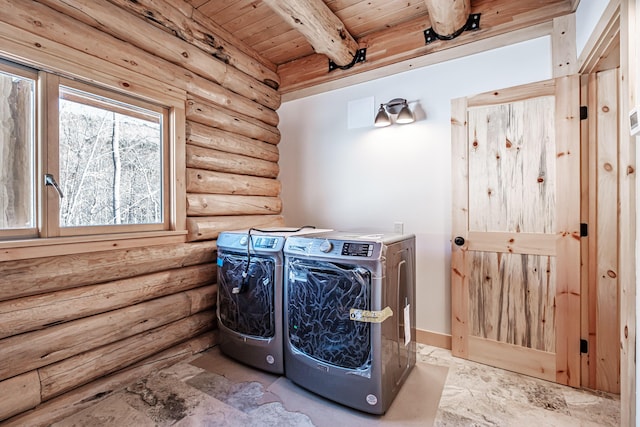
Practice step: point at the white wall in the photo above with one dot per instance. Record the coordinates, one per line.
(587, 16)
(368, 178)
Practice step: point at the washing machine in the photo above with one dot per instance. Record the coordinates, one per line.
(249, 306)
(349, 316)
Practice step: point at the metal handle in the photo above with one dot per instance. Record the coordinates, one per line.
(50, 180)
(459, 241)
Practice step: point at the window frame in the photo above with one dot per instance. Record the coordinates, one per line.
(51, 162)
(114, 79)
(28, 73)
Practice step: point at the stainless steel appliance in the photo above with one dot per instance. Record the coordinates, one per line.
(250, 295)
(349, 311)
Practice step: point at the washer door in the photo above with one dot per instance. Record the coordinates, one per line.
(250, 311)
(319, 298)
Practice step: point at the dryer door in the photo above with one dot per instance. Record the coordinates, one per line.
(250, 311)
(319, 296)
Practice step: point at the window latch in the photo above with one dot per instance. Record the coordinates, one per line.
(50, 180)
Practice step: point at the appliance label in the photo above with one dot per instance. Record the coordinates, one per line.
(407, 324)
(370, 316)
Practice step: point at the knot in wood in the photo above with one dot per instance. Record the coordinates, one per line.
(605, 108)
(607, 166)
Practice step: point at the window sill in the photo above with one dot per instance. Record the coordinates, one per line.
(39, 248)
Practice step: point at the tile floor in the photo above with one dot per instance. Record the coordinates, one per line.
(212, 390)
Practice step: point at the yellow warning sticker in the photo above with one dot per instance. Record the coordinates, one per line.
(378, 316)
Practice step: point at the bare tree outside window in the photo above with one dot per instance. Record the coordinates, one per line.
(110, 162)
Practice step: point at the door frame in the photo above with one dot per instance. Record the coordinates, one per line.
(605, 50)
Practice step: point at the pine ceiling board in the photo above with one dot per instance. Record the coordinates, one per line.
(213, 8)
(289, 36)
(254, 15)
(288, 50)
(264, 29)
(372, 19)
(341, 4)
(196, 3)
(224, 11)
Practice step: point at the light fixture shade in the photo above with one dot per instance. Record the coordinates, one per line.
(405, 115)
(382, 118)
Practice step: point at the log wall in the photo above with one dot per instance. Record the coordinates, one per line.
(74, 328)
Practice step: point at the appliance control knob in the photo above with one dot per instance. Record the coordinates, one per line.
(326, 246)
(244, 240)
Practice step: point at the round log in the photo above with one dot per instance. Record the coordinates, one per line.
(222, 204)
(204, 181)
(218, 139)
(205, 228)
(448, 16)
(204, 158)
(206, 113)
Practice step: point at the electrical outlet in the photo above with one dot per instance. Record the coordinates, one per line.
(398, 227)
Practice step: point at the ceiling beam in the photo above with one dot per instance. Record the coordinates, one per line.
(406, 41)
(317, 23)
(448, 17)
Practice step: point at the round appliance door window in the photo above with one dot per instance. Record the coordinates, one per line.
(320, 296)
(246, 305)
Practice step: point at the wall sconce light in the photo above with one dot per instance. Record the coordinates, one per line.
(396, 107)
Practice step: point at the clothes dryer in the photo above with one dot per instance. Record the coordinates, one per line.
(249, 309)
(349, 304)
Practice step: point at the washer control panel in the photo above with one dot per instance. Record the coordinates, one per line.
(265, 242)
(244, 242)
(357, 249)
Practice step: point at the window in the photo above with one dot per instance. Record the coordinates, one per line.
(17, 151)
(101, 165)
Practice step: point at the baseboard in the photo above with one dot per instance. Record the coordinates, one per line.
(435, 339)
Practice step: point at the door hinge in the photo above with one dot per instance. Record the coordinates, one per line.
(584, 230)
(584, 112)
(584, 346)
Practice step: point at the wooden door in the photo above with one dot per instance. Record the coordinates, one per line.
(515, 281)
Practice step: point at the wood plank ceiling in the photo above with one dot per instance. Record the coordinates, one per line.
(391, 30)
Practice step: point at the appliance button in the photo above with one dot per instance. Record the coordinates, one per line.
(244, 240)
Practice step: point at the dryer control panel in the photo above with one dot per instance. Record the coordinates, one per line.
(333, 248)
